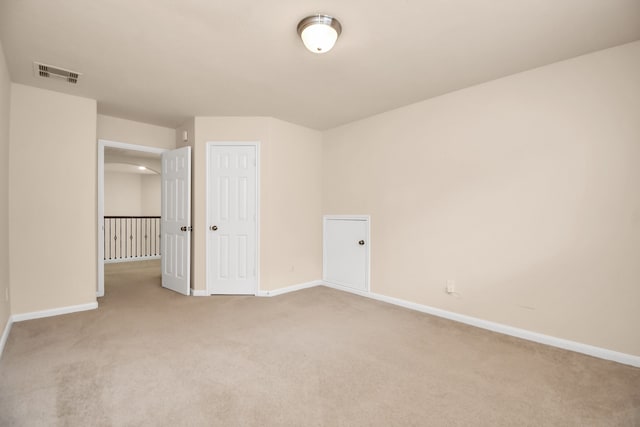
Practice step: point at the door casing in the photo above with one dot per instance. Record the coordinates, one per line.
(102, 143)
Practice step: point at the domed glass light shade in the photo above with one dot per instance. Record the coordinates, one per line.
(319, 32)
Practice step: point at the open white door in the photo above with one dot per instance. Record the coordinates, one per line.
(176, 219)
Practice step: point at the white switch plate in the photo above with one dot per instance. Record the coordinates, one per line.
(451, 286)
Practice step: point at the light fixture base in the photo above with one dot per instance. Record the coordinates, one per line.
(319, 32)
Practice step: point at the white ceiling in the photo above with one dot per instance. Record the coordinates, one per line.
(112, 154)
(127, 161)
(127, 168)
(162, 61)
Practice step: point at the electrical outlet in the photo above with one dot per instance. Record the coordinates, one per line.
(451, 286)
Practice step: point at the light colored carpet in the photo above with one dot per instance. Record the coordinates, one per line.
(317, 357)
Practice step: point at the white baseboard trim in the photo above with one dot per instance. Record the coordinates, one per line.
(367, 294)
(601, 353)
(5, 334)
(199, 293)
(134, 259)
(287, 289)
(54, 312)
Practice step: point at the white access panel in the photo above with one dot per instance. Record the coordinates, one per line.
(346, 251)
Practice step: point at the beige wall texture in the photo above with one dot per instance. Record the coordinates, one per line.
(290, 206)
(130, 132)
(122, 194)
(150, 195)
(52, 200)
(131, 194)
(524, 190)
(5, 106)
(190, 127)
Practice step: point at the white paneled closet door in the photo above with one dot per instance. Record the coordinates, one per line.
(232, 219)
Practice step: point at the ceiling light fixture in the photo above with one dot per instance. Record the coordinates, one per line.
(319, 32)
(142, 168)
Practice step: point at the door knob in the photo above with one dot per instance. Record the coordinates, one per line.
(185, 228)
(213, 228)
(361, 242)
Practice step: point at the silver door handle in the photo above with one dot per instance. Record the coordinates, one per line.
(185, 228)
(213, 228)
(361, 242)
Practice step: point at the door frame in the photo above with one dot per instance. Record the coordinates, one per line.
(208, 250)
(102, 143)
(367, 220)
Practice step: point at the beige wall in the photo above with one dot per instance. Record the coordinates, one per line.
(5, 104)
(190, 127)
(131, 194)
(130, 132)
(150, 195)
(291, 206)
(122, 194)
(52, 200)
(290, 209)
(525, 190)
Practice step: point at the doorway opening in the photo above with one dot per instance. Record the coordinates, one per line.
(129, 208)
